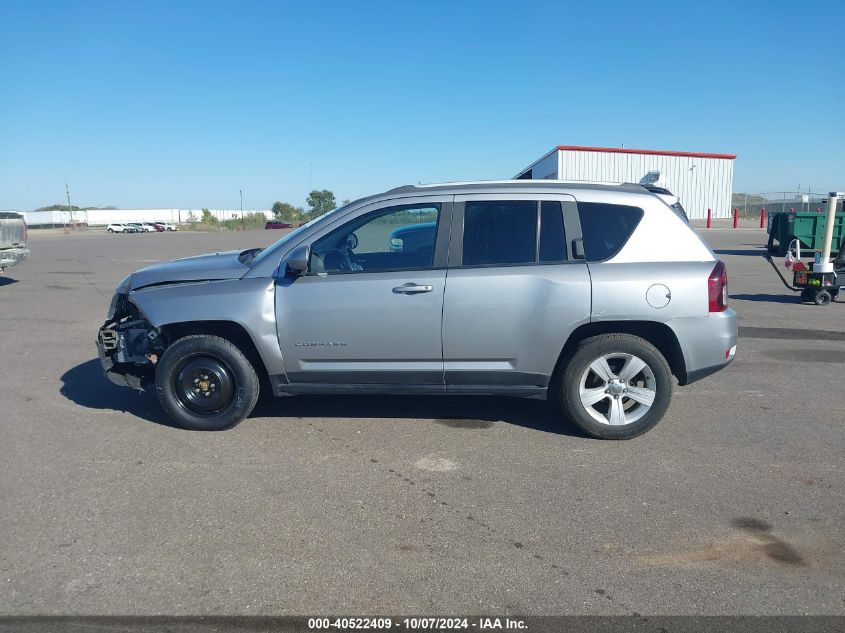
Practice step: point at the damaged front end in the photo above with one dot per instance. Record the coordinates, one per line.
(128, 345)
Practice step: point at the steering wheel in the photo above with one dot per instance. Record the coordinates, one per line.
(349, 260)
(340, 260)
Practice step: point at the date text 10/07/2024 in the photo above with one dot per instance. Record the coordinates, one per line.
(417, 624)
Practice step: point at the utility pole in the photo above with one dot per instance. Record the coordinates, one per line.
(241, 192)
(69, 208)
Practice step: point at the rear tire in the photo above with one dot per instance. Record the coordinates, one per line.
(110, 230)
(615, 386)
(205, 383)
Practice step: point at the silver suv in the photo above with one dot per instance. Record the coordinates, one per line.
(592, 296)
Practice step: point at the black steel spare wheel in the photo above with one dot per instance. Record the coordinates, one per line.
(204, 384)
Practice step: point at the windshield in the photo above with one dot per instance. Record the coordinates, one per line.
(290, 236)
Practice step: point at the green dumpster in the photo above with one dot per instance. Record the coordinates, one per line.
(807, 227)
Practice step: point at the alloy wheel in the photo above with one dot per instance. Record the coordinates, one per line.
(617, 389)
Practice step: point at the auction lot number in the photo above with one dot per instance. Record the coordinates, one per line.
(388, 623)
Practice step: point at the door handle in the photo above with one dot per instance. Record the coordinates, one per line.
(411, 288)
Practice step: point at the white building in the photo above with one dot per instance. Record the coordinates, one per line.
(101, 217)
(701, 181)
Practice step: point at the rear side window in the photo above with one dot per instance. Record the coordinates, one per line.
(606, 228)
(500, 232)
(552, 233)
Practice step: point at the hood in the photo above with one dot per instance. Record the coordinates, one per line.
(224, 265)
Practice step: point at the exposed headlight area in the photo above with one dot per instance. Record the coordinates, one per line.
(127, 344)
(123, 285)
(120, 292)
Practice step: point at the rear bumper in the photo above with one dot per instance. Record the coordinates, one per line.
(708, 343)
(13, 256)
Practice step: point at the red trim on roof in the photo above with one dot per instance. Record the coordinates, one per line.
(620, 150)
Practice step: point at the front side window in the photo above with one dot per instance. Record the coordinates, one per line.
(395, 238)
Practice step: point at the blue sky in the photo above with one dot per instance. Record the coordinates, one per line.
(180, 104)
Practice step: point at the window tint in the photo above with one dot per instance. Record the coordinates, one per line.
(500, 232)
(606, 228)
(396, 238)
(552, 233)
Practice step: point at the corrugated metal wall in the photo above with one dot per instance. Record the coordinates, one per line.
(700, 183)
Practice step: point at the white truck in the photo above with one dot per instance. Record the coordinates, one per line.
(13, 248)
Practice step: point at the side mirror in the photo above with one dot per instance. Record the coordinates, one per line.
(297, 262)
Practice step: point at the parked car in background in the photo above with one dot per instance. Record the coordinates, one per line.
(276, 224)
(118, 227)
(13, 234)
(412, 237)
(148, 227)
(165, 226)
(526, 288)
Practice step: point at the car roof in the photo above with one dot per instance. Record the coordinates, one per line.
(512, 185)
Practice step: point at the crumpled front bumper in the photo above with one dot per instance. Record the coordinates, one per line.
(117, 373)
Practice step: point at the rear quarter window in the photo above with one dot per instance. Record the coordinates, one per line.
(606, 228)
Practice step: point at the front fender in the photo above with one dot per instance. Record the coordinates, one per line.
(248, 302)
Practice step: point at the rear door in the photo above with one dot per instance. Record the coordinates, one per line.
(514, 292)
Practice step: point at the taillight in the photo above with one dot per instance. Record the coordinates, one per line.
(717, 288)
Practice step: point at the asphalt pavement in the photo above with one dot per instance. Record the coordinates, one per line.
(733, 504)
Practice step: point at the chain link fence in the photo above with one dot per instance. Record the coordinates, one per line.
(749, 205)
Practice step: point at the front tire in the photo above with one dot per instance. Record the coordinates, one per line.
(205, 383)
(616, 386)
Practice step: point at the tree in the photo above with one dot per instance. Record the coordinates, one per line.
(208, 217)
(64, 207)
(286, 212)
(59, 207)
(319, 203)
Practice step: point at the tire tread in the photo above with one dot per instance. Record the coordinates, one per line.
(571, 405)
(195, 422)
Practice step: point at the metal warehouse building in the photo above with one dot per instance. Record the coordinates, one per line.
(701, 181)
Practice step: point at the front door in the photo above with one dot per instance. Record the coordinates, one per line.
(369, 309)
